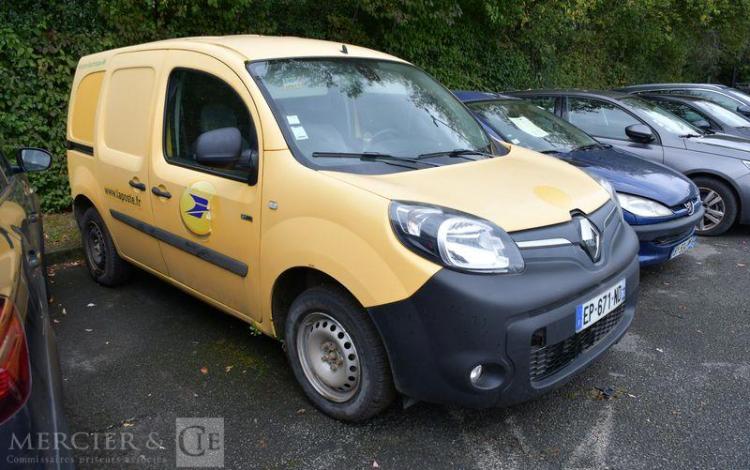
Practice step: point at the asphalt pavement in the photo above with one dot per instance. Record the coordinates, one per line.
(137, 357)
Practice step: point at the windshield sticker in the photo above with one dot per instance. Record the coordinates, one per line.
(293, 120)
(528, 127)
(299, 132)
(515, 141)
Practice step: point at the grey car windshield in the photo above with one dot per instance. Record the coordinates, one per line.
(525, 124)
(364, 106)
(731, 118)
(660, 117)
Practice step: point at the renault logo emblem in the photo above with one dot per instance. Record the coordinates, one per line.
(590, 239)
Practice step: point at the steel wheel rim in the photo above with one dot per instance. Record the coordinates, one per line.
(714, 207)
(96, 250)
(328, 357)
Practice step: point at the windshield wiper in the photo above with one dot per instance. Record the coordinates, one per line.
(457, 153)
(374, 157)
(550, 152)
(690, 136)
(597, 145)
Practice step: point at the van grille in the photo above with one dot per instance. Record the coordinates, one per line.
(549, 359)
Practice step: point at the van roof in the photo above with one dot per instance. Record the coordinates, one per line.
(251, 47)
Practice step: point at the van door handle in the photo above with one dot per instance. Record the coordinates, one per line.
(134, 183)
(160, 193)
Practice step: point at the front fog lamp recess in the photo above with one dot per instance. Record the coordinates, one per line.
(454, 239)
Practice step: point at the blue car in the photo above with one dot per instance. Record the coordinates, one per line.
(661, 205)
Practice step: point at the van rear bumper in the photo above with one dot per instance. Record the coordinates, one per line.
(457, 321)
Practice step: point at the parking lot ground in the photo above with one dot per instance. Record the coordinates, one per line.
(137, 357)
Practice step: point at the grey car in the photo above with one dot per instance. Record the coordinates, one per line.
(727, 97)
(718, 164)
(703, 114)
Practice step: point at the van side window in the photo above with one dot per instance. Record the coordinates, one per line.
(198, 103)
(127, 111)
(84, 108)
(599, 118)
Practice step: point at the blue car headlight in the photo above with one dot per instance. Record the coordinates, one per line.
(642, 207)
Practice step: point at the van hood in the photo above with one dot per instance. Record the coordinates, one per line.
(518, 191)
(720, 144)
(633, 175)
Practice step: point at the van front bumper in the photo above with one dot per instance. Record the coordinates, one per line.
(520, 328)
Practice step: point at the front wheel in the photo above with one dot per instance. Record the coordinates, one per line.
(337, 355)
(720, 206)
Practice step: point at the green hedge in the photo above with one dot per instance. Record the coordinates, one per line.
(477, 44)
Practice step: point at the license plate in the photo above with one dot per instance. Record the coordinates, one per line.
(683, 247)
(597, 308)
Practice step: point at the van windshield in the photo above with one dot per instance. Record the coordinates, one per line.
(354, 106)
(525, 124)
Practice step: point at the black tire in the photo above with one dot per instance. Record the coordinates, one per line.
(705, 184)
(105, 265)
(375, 390)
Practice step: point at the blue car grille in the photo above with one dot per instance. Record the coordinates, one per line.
(547, 360)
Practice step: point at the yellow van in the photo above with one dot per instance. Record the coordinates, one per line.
(343, 201)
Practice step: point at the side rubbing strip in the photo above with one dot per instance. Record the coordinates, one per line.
(214, 257)
(70, 145)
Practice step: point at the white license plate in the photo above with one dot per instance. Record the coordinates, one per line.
(683, 247)
(598, 307)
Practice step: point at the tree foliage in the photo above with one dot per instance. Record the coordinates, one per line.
(474, 44)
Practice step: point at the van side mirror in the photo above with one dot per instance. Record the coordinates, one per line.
(33, 159)
(219, 147)
(702, 124)
(744, 110)
(640, 133)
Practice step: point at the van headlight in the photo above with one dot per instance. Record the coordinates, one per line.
(642, 207)
(455, 239)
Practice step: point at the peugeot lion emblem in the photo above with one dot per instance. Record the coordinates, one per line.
(590, 239)
(690, 207)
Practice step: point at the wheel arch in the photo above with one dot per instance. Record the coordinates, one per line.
(723, 179)
(290, 284)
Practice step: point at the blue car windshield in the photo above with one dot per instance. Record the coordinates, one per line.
(525, 124)
(353, 106)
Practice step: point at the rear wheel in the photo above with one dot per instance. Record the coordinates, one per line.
(337, 355)
(720, 206)
(102, 260)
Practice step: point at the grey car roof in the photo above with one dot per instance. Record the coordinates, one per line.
(607, 94)
(657, 86)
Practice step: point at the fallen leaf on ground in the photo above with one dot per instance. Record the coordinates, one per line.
(89, 330)
(204, 370)
(91, 304)
(301, 411)
(228, 368)
(375, 464)
(55, 320)
(660, 350)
